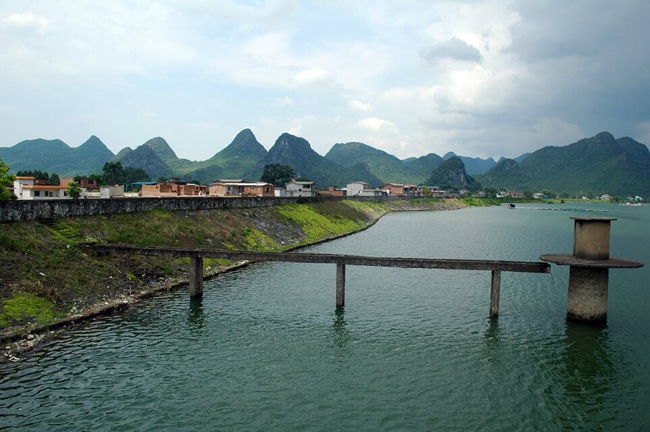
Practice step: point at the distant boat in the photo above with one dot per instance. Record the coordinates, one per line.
(511, 206)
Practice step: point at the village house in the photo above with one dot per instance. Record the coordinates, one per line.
(240, 188)
(172, 188)
(396, 189)
(300, 188)
(436, 192)
(159, 190)
(332, 191)
(30, 188)
(85, 183)
(360, 188)
(606, 197)
(106, 192)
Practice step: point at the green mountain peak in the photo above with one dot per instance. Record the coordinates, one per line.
(162, 149)
(451, 173)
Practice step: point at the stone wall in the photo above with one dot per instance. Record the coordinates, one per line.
(19, 210)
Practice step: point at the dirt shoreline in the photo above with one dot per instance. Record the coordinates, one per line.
(24, 339)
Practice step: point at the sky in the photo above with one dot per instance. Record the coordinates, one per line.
(485, 78)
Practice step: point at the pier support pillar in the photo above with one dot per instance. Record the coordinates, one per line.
(196, 277)
(587, 299)
(589, 269)
(340, 285)
(588, 286)
(494, 293)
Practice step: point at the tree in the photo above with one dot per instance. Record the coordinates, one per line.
(6, 180)
(548, 193)
(33, 173)
(54, 179)
(113, 173)
(74, 191)
(528, 194)
(490, 192)
(426, 192)
(277, 174)
(130, 175)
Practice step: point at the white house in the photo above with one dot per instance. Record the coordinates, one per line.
(360, 188)
(300, 189)
(30, 188)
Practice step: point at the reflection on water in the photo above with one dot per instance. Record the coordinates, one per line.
(492, 332)
(195, 315)
(587, 373)
(340, 331)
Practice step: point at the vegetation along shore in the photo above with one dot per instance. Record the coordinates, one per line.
(48, 281)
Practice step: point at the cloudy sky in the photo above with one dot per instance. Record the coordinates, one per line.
(480, 78)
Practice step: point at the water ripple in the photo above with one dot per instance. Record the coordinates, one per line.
(412, 350)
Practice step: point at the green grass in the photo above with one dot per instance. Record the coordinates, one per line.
(9, 244)
(259, 241)
(26, 307)
(318, 222)
(43, 273)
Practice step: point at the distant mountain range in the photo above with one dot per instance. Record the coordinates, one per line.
(57, 156)
(601, 164)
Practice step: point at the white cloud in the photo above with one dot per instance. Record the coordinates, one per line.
(312, 76)
(453, 48)
(508, 76)
(26, 20)
(375, 124)
(360, 106)
(283, 101)
(644, 130)
(296, 129)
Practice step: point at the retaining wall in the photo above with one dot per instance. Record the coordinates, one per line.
(24, 210)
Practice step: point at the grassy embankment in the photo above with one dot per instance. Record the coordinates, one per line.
(45, 276)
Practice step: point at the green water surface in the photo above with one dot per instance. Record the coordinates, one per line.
(413, 349)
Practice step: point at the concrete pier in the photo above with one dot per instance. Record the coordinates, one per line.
(591, 238)
(196, 265)
(589, 269)
(196, 277)
(494, 293)
(587, 299)
(340, 285)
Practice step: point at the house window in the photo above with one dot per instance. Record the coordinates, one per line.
(37, 193)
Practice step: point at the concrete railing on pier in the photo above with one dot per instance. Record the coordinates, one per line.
(196, 264)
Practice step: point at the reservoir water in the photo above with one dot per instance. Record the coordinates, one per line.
(413, 349)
